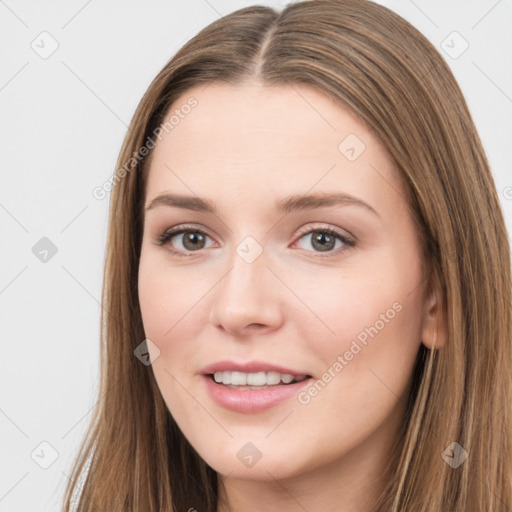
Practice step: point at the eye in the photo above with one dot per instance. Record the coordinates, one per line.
(325, 240)
(191, 239)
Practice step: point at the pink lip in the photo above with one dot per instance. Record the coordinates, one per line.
(252, 400)
(249, 367)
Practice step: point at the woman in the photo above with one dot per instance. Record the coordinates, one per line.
(341, 340)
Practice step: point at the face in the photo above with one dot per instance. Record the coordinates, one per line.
(271, 283)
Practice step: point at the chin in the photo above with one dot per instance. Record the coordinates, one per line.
(246, 464)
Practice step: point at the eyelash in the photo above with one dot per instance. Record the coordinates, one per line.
(167, 235)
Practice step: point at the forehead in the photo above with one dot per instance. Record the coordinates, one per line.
(239, 117)
(268, 138)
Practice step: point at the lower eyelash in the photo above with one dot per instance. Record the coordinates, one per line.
(167, 235)
(348, 242)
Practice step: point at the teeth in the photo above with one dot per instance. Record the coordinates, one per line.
(255, 379)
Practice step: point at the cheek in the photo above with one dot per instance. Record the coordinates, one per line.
(173, 309)
(163, 303)
(365, 326)
(352, 305)
(165, 297)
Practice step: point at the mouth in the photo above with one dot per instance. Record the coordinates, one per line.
(256, 380)
(253, 392)
(253, 386)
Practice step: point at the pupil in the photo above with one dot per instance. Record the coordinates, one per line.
(191, 239)
(320, 239)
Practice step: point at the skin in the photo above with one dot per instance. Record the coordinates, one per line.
(243, 148)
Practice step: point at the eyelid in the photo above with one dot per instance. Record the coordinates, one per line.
(349, 241)
(347, 238)
(164, 237)
(326, 227)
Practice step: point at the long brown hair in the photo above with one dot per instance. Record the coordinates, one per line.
(370, 60)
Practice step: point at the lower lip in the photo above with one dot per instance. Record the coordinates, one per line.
(252, 400)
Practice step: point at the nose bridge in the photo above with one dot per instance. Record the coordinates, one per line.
(244, 286)
(245, 295)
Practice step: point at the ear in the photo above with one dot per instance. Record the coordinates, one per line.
(433, 332)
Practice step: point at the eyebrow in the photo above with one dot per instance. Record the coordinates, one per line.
(288, 204)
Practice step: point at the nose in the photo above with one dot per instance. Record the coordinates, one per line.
(247, 299)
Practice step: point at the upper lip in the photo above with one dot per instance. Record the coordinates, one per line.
(249, 367)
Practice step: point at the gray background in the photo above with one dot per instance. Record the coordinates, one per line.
(63, 118)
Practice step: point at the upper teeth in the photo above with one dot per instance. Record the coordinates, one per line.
(255, 379)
